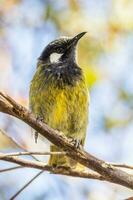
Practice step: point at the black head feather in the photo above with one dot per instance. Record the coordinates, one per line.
(63, 45)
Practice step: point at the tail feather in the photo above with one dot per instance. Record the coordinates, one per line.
(60, 160)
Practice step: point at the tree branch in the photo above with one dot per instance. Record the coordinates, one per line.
(59, 153)
(55, 170)
(110, 173)
(122, 165)
(34, 153)
(27, 153)
(10, 169)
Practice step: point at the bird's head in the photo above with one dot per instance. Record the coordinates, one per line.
(62, 49)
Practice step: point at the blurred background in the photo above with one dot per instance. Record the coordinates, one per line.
(106, 56)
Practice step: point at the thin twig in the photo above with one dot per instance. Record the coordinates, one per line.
(26, 185)
(35, 153)
(17, 144)
(11, 139)
(10, 169)
(122, 165)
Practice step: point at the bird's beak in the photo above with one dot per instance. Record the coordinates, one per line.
(77, 38)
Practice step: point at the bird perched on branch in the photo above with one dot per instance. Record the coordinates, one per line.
(59, 94)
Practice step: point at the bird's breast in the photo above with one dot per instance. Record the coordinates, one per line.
(63, 102)
(62, 75)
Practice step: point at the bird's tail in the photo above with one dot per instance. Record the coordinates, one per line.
(60, 160)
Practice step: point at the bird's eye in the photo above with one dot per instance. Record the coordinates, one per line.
(59, 50)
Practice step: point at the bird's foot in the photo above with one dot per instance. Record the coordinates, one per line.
(39, 118)
(76, 143)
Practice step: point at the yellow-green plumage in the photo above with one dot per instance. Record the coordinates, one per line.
(63, 105)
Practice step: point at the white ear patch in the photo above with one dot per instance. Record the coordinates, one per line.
(54, 57)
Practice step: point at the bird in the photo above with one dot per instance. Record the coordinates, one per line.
(59, 94)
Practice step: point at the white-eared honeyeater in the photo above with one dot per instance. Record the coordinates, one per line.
(59, 94)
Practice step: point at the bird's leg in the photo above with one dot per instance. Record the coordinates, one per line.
(38, 118)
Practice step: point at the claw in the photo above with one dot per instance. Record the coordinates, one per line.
(39, 118)
(76, 143)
